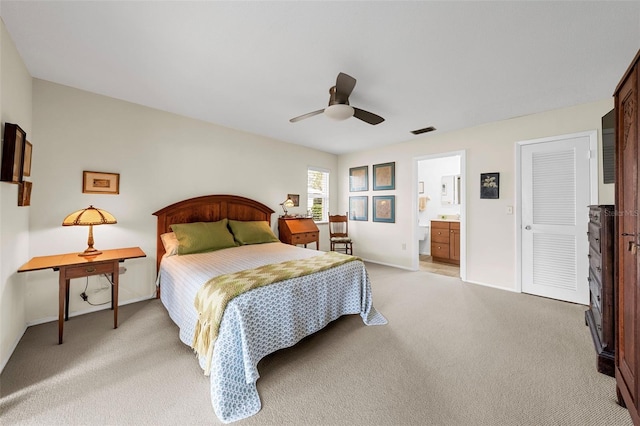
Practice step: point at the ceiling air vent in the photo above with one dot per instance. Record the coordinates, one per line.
(425, 130)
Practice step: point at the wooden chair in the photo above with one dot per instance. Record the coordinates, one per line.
(339, 234)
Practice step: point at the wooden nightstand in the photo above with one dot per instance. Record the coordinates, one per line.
(298, 230)
(71, 265)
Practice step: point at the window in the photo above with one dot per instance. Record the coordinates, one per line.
(318, 194)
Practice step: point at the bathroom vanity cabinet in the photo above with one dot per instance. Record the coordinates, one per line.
(445, 241)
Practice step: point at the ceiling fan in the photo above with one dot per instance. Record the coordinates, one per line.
(339, 108)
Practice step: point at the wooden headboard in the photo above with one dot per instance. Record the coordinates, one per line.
(208, 208)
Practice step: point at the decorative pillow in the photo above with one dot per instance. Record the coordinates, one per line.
(252, 232)
(201, 237)
(170, 243)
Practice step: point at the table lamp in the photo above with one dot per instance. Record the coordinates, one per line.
(89, 217)
(287, 203)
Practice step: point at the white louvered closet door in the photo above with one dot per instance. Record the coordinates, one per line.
(555, 199)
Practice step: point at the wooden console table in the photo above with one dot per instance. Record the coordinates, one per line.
(298, 230)
(71, 265)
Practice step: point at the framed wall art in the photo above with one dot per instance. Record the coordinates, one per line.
(359, 208)
(100, 183)
(384, 176)
(490, 185)
(384, 208)
(359, 179)
(24, 193)
(12, 153)
(295, 198)
(26, 167)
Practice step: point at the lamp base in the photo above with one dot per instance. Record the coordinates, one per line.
(90, 252)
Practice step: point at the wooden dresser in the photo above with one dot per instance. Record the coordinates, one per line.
(601, 315)
(445, 241)
(298, 230)
(627, 227)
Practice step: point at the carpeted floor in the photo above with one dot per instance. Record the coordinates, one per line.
(452, 354)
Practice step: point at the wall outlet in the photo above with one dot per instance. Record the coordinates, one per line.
(404, 246)
(122, 270)
(509, 209)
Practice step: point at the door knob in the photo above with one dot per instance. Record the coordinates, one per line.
(528, 228)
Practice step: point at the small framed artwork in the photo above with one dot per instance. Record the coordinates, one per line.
(359, 208)
(384, 176)
(26, 168)
(24, 193)
(384, 208)
(359, 179)
(100, 183)
(420, 187)
(490, 185)
(12, 153)
(295, 198)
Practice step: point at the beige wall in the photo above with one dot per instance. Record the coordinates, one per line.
(490, 232)
(15, 107)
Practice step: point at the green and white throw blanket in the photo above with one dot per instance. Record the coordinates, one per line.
(212, 298)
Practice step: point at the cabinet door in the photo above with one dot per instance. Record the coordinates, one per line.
(627, 228)
(454, 242)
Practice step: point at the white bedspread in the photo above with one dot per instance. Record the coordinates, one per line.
(262, 320)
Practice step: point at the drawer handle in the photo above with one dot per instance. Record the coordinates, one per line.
(91, 270)
(598, 297)
(598, 268)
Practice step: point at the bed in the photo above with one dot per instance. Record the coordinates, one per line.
(259, 321)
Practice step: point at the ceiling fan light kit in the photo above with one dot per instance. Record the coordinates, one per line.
(339, 108)
(339, 111)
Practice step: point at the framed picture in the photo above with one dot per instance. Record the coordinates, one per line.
(384, 208)
(295, 198)
(359, 179)
(359, 208)
(26, 168)
(490, 185)
(421, 187)
(12, 153)
(384, 176)
(100, 183)
(24, 193)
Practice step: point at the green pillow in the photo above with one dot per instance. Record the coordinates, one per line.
(201, 237)
(252, 232)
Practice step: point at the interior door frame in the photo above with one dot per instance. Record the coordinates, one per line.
(593, 186)
(463, 208)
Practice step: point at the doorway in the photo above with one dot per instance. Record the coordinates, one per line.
(557, 181)
(439, 185)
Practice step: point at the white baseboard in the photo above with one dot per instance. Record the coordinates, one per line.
(88, 311)
(389, 264)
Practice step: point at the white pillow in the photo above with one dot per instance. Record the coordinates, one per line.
(170, 243)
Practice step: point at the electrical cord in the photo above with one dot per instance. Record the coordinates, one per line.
(85, 296)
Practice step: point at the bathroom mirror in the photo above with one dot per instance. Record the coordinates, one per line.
(450, 190)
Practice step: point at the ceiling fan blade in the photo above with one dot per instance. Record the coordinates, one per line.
(367, 117)
(307, 115)
(344, 86)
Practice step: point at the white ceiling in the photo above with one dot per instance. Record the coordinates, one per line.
(254, 65)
